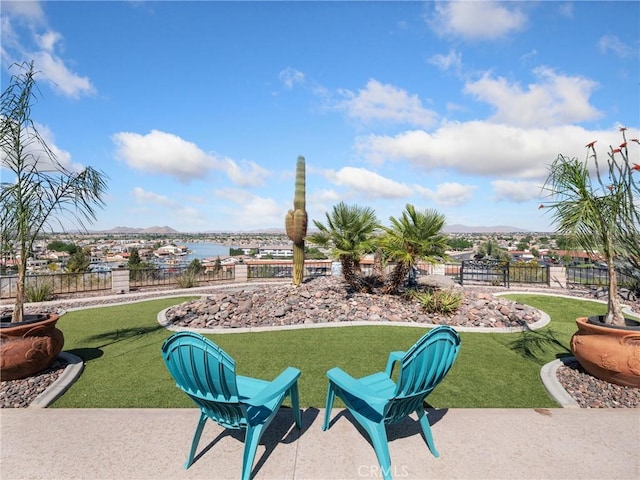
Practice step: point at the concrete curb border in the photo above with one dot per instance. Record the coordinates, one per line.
(553, 386)
(162, 320)
(72, 371)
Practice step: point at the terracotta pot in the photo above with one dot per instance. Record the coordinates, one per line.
(608, 352)
(28, 347)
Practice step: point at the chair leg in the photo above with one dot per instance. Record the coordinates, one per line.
(331, 395)
(295, 403)
(378, 434)
(252, 438)
(426, 429)
(196, 440)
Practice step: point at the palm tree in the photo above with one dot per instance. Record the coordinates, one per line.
(40, 190)
(602, 216)
(415, 235)
(350, 231)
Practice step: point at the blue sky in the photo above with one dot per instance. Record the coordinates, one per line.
(197, 111)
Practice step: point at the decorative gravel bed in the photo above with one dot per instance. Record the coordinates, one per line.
(590, 392)
(329, 300)
(318, 301)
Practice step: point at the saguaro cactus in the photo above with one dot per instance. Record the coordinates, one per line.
(296, 222)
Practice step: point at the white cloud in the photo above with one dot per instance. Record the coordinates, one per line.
(30, 11)
(487, 20)
(324, 195)
(450, 194)
(143, 196)
(251, 211)
(451, 61)
(379, 102)
(249, 174)
(611, 43)
(169, 209)
(34, 152)
(516, 191)
(47, 41)
(369, 183)
(62, 156)
(556, 99)
(53, 67)
(60, 77)
(481, 148)
(160, 152)
(168, 154)
(290, 77)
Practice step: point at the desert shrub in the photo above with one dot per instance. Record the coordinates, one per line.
(39, 292)
(187, 280)
(439, 301)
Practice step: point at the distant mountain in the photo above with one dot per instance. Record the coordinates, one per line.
(156, 230)
(457, 228)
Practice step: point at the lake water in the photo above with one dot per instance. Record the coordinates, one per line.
(205, 250)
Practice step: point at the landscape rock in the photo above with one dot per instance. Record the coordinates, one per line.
(329, 300)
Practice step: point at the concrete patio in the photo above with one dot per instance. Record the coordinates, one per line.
(473, 443)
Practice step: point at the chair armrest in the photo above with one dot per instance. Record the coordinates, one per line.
(393, 358)
(346, 382)
(277, 387)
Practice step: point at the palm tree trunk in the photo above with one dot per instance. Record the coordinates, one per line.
(352, 274)
(397, 277)
(614, 309)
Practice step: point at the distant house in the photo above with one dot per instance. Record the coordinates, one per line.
(275, 252)
(62, 257)
(521, 255)
(168, 250)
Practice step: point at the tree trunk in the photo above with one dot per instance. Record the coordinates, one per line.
(352, 275)
(378, 264)
(614, 309)
(18, 307)
(397, 277)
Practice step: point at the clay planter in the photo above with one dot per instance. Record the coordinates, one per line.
(28, 347)
(608, 352)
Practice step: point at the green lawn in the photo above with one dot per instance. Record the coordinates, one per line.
(124, 368)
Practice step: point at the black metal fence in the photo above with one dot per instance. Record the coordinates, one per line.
(176, 276)
(56, 283)
(594, 276)
(467, 272)
(484, 271)
(502, 273)
(285, 269)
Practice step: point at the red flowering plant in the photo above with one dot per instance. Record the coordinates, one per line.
(600, 208)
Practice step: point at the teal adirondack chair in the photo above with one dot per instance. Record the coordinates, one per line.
(207, 374)
(376, 400)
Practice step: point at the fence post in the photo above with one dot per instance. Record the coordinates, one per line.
(558, 275)
(242, 272)
(120, 280)
(547, 271)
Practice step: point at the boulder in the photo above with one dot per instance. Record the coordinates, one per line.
(438, 282)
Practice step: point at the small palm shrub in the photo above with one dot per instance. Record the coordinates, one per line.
(39, 292)
(438, 301)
